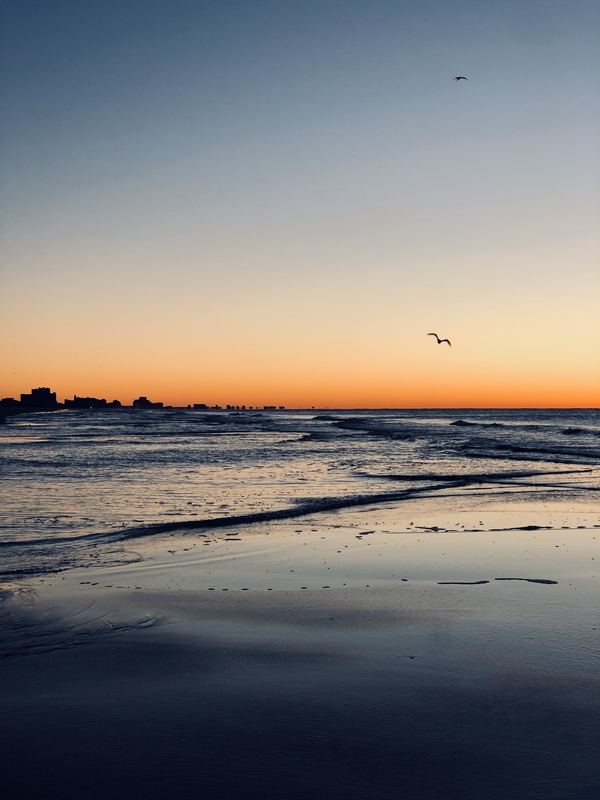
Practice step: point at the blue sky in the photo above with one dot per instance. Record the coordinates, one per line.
(302, 175)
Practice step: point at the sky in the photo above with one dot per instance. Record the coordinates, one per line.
(274, 202)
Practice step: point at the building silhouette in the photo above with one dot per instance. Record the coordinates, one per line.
(8, 403)
(41, 397)
(143, 402)
(90, 402)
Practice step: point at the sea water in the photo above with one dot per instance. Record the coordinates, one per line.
(75, 478)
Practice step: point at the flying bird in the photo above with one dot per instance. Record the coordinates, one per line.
(439, 341)
(460, 78)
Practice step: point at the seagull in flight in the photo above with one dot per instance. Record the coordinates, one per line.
(460, 78)
(439, 341)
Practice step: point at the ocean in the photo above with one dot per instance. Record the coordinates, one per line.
(340, 604)
(77, 481)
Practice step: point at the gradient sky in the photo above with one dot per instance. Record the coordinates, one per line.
(274, 202)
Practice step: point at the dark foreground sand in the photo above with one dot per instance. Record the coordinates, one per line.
(404, 688)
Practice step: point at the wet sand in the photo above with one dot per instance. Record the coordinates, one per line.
(436, 664)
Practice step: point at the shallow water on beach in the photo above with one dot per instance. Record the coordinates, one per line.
(77, 480)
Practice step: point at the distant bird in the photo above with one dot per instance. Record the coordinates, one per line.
(460, 78)
(439, 341)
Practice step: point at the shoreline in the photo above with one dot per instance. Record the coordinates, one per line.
(257, 688)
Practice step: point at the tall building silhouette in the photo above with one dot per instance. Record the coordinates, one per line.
(41, 397)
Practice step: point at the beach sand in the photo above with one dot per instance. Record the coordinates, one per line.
(439, 663)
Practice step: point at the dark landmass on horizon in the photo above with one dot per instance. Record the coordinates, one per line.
(43, 399)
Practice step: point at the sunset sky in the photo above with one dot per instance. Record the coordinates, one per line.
(273, 202)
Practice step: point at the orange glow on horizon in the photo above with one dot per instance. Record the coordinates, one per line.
(343, 394)
(327, 364)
